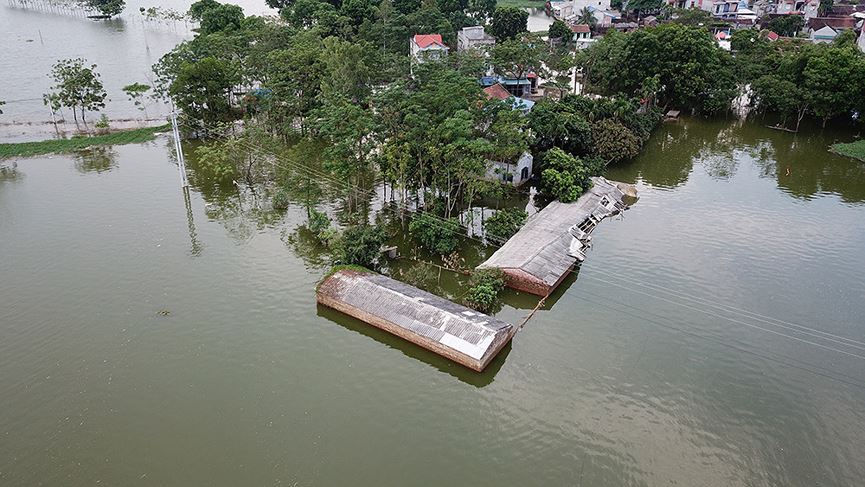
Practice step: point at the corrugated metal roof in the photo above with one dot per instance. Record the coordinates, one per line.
(452, 330)
(542, 248)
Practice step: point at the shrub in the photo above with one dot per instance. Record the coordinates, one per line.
(361, 245)
(280, 200)
(484, 293)
(505, 223)
(103, 123)
(318, 222)
(438, 235)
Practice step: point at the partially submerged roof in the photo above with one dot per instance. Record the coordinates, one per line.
(544, 250)
(580, 28)
(458, 333)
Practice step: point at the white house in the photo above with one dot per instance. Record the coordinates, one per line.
(861, 41)
(604, 18)
(823, 34)
(474, 37)
(727, 9)
(579, 5)
(706, 5)
(808, 8)
(511, 173)
(425, 47)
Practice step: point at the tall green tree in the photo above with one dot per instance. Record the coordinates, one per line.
(508, 23)
(77, 86)
(224, 17)
(564, 177)
(202, 89)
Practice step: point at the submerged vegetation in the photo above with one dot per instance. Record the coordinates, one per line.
(25, 149)
(855, 149)
(486, 284)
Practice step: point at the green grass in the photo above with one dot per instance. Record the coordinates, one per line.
(51, 146)
(856, 150)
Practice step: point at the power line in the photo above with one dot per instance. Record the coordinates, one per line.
(746, 313)
(845, 379)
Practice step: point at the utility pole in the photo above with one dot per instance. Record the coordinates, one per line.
(181, 162)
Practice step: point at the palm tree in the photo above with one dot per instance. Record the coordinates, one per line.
(587, 17)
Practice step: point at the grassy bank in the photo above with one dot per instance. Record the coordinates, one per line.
(856, 150)
(24, 149)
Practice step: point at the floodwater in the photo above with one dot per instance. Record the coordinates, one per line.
(36, 35)
(714, 336)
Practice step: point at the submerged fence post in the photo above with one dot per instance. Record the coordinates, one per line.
(181, 162)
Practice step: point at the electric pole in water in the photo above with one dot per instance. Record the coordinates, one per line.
(181, 162)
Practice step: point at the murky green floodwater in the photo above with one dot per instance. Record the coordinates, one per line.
(642, 371)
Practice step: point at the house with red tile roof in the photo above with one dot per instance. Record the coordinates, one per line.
(424, 47)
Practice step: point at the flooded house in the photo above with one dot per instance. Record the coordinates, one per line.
(542, 253)
(460, 334)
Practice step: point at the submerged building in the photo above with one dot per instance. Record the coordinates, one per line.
(539, 256)
(467, 337)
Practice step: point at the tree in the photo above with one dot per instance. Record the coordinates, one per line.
(587, 17)
(504, 223)
(695, 17)
(694, 72)
(846, 38)
(787, 25)
(136, 92)
(197, 9)
(438, 235)
(772, 93)
(565, 177)
(562, 124)
(833, 77)
(825, 7)
(486, 284)
(613, 141)
(560, 30)
(202, 90)
(241, 155)
(642, 6)
(508, 23)
(361, 245)
(76, 86)
(108, 7)
(278, 4)
(223, 17)
(515, 58)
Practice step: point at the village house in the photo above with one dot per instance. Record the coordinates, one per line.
(604, 18)
(581, 35)
(567, 10)
(861, 41)
(823, 35)
(727, 9)
(706, 5)
(474, 37)
(513, 173)
(509, 172)
(425, 47)
(518, 87)
(807, 8)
